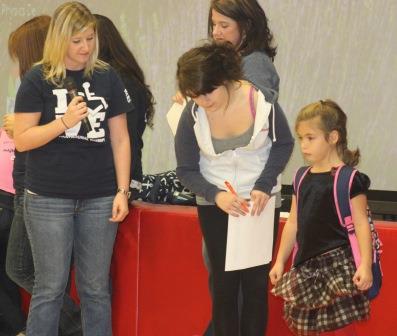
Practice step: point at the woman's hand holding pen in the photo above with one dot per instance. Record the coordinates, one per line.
(259, 200)
(77, 111)
(231, 204)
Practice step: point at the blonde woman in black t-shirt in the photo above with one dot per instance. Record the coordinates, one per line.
(77, 169)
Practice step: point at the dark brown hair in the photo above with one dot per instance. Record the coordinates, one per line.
(332, 118)
(113, 50)
(26, 43)
(252, 22)
(202, 69)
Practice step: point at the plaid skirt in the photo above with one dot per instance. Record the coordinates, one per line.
(320, 294)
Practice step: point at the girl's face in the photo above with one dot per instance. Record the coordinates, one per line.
(80, 49)
(316, 149)
(225, 29)
(214, 100)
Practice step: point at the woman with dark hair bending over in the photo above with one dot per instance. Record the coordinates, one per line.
(230, 132)
(244, 24)
(77, 170)
(113, 50)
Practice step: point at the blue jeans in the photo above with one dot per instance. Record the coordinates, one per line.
(19, 267)
(55, 228)
(19, 263)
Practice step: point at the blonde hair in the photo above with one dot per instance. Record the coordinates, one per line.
(68, 20)
(332, 118)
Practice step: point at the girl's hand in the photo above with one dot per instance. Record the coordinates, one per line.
(120, 208)
(231, 204)
(8, 124)
(276, 272)
(259, 201)
(77, 111)
(178, 98)
(363, 277)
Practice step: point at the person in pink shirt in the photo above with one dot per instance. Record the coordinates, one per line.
(19, 262)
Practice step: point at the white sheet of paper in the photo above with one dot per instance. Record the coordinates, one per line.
(250, 239)
(173, 116)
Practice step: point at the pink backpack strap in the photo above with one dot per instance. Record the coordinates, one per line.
(252, 102)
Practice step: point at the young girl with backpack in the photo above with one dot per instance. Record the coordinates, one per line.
(324, 290)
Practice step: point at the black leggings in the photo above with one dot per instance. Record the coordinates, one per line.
(225, 286)
(12, 320)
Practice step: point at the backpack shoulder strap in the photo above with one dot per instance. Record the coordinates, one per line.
(342, 184)
(298, 178)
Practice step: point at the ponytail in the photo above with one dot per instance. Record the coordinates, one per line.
(350, 157)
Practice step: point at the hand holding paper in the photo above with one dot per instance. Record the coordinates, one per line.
(250, 239)
(259, 201)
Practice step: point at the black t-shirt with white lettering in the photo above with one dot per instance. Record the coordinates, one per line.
(319, 229)
(75, 164)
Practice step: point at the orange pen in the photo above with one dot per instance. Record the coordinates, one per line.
(231, 189)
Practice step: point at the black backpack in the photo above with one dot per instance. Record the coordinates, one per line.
(165, 188)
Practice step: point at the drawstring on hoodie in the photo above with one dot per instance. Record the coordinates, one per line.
(194, 112)
(274, 124)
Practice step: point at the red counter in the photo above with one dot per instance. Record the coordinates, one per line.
(160, 282)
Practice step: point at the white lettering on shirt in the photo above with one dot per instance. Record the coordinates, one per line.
(96, 116)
